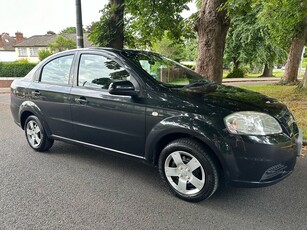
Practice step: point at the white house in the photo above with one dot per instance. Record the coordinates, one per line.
(28, 49)
(7, 50)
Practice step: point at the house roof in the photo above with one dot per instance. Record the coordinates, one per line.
(45, 40)
(7, 42)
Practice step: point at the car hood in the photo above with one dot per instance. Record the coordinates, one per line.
(232, 99)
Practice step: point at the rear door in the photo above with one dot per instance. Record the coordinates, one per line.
(111, 122)
(50, 92)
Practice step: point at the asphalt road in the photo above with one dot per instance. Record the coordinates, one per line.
(72, 187)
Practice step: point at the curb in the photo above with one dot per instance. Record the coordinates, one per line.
(232, 80)
(5, 82)
(249, 79)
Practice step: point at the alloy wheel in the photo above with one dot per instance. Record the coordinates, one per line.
(184, 172)
(34, 133)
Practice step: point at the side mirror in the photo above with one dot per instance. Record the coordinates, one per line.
(122, 88)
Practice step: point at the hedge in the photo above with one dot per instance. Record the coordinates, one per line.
(15, 69)
(236, 73)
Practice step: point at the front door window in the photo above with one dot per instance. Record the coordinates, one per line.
(99, 72)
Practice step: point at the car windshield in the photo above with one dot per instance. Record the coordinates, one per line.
(165, 71)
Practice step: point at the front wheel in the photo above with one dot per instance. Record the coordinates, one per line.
(36, 135)
(188, 170)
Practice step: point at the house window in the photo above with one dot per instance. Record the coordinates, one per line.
(34, 52)
(22, 52)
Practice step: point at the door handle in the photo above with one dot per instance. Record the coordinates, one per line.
(36, 93)
(81, 100)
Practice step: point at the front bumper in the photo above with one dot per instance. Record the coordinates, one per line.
(263, 160)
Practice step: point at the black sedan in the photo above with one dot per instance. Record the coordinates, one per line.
(146, 106)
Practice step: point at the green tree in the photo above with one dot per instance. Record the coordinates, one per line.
(138, 22)
(73, 30)
(249, 42)
(109, 30)
(287, 22)
(178, 50)
(167, 48)
(61, 43)
(285, 19)
(42, 54)
(69, 30)
(190, 49)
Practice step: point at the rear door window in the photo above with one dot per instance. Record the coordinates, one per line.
(57, 71)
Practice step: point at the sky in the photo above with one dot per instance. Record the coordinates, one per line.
(36, 17)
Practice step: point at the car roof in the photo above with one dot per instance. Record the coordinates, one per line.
(114, 50)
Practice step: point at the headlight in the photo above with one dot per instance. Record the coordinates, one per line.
(252, 123)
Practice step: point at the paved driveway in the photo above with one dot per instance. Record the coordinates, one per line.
(72, 187)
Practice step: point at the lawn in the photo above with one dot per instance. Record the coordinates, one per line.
(295, 99)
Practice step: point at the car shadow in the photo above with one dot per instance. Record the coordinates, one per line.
(103, 159)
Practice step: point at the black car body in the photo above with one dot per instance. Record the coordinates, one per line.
(129, 102)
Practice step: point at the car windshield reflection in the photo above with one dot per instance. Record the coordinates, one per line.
(165, 71)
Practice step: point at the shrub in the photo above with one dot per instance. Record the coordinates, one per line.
(236, 73)
(42, 54)
(15, 69)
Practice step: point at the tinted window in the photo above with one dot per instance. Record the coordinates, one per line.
(57, 71)
(97, 71)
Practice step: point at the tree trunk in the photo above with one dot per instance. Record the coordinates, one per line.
(294, 56)
(212, 28)
(305, 79)
(236, 64)
(267, 71)
(293, 61)
(117, 24)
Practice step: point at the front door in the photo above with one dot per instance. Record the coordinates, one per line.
(108, 121)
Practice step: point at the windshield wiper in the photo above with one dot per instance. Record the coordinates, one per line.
(201, 86)
(198, 83)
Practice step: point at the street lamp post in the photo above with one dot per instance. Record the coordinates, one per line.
(80, 42)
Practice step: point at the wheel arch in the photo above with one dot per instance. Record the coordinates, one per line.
(154, 149)
(29, 108)
(23, 117)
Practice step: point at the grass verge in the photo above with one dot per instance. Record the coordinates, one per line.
(294, 98)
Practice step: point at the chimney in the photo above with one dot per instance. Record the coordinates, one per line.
(19, 37)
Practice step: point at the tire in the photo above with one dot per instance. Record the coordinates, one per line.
(36, 135)
(188, 170)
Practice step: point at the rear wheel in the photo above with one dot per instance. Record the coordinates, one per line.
(188, 170)
(36, 135)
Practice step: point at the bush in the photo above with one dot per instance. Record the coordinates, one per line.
(15, 69)
(42, 54)
(236, 73)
